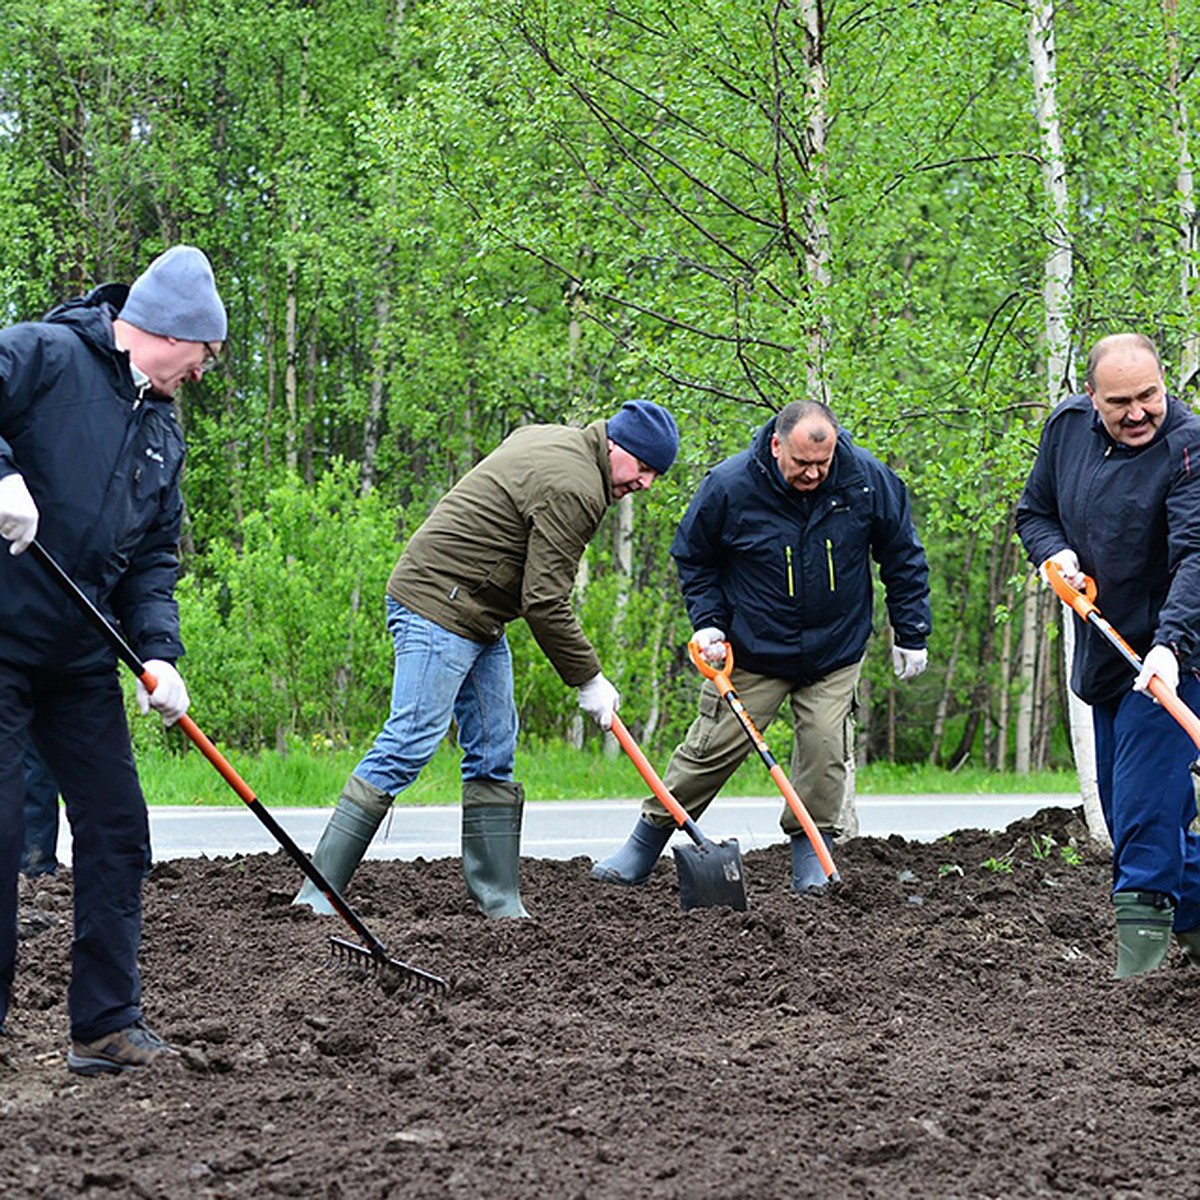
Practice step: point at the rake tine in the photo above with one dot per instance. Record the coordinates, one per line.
(349, 954)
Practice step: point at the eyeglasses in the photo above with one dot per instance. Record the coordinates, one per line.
(210, 359)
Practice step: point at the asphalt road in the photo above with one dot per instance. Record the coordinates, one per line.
(566, 829)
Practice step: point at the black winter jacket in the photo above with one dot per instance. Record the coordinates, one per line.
(103, 467)
(1133, 517)
(787, 575)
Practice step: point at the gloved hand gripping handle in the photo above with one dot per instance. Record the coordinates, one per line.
(1084, 604)
(720, 678)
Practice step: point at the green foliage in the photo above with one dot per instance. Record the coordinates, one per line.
(998, 866)
(435, 222)
(286, 631)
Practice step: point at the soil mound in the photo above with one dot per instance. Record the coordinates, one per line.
(943, 1024)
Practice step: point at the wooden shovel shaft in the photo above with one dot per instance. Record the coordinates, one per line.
(1084, 604)
(726, 690)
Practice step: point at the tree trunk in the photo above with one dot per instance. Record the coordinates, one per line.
(1058, 282)
(371, 426)
(1003, 708)
(960, 622)
(1028, 686)
(1185, 186)
(816, 217)
(1083, 739)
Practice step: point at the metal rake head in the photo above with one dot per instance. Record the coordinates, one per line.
(391, 973)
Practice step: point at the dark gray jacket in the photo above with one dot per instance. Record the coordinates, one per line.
(1133, 517)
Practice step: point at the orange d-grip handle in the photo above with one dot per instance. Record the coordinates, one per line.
(1082, 602)
(705, 667)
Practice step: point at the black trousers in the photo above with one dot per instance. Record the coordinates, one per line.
(77, 723)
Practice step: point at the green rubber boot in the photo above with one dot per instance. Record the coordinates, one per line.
(491, 845)
(1189, 943)
(360, 810)
(1143, 931)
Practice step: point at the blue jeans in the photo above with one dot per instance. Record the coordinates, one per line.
(440, 676)
(1143, 760)
(40, 853)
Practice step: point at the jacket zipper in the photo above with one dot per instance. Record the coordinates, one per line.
(791, 578)
(829, 560)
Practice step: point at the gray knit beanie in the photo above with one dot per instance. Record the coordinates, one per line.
(176, 296)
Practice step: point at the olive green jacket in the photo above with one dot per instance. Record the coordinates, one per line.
(506, 540)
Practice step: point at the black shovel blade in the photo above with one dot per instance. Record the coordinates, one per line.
(710, 875)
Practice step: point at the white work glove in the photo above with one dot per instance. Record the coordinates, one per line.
(1160, 661)
(18, 513)
(169, 698)
(599, 699)
(908, 664)
(1067, 562)
(710, 641)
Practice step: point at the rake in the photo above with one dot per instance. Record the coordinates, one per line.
(371, 958)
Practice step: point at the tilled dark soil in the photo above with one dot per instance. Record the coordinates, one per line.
(933, 1028)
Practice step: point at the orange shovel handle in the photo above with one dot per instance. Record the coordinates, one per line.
(705, 667)
(1083, 604)
(647, 772)
(782, 782)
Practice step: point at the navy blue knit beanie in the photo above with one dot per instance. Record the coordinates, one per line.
(176, 296)
(647, 431)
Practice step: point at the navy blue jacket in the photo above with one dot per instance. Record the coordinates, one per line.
(1132, 514)
(787, 575)
(103, 467)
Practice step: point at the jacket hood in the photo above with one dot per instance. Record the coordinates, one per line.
(91, 316)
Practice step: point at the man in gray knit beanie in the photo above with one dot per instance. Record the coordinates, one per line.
(90, 459)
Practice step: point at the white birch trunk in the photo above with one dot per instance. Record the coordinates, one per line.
(1083, 739)
(816, 204)
(1186, 188)
(1059, 375)
(1023, 750)
(816, 222)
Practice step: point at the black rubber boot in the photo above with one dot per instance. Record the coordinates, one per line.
(1143, 931)
(360, 810)
(633, 864)
(491, 845)
(808, 876)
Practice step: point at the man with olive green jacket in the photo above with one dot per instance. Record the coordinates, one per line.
(504, 542)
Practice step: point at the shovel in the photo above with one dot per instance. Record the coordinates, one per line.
(1084, 604)
(373, 956)
(710, 873)
(720, 677)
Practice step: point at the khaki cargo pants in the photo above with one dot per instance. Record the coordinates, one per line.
(716, 744)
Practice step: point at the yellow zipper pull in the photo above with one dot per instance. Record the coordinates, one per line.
(791, 579)
(829, 560)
